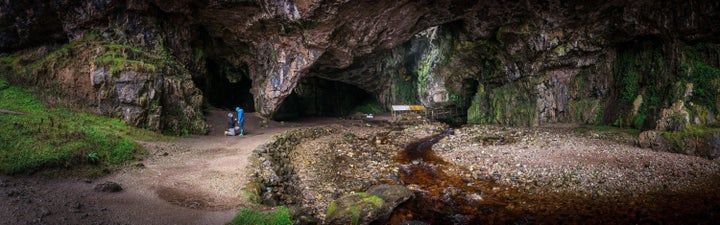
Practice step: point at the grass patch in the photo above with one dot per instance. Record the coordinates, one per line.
(251, 197)
(691, 131)
(43, 137)
(281, 216)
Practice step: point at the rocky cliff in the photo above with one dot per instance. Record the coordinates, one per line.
(645, 64)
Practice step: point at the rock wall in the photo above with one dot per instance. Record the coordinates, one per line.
(513, 63)
(115, 79)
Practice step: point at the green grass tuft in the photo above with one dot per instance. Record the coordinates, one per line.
(43, 137)
(281, 216)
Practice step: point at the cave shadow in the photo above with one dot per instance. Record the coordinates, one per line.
(317, 97)
(226, 86)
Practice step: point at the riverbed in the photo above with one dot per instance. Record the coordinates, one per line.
(488, 174)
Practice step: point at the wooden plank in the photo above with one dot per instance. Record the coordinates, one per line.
(407, 107)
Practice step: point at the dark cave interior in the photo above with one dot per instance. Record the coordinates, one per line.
(227, 87)
(315, 96)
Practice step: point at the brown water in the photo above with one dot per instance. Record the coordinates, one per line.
(440, 197)
(443, 196)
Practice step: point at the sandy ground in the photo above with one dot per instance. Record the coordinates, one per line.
(191, 180)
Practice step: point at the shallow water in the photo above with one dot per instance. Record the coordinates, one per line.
(440, 197)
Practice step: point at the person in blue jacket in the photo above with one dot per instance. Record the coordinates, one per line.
(240, 120)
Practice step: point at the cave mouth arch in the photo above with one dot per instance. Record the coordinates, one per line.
(226, 86)
(314, 96)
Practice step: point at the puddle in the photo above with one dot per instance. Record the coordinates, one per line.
(183, 198)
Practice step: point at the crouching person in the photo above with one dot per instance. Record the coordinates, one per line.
(230, 126)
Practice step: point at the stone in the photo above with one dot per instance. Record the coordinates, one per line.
(300, 217)
(376, 204)
(108, 186)
(712, 148)
(5, 183)
(269, 199)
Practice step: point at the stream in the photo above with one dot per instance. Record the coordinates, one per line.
(440, 197)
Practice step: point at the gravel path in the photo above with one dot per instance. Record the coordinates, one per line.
(189, 180)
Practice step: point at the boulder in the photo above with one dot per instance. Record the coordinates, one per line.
(377, 204)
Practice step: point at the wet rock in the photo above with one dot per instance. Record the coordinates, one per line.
(108, 186)
(300, 217)
(5, 183)
(712, 150)
(269, 199)
(652, 139)
(25, 200)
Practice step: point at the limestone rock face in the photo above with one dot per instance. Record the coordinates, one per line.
(512, 63)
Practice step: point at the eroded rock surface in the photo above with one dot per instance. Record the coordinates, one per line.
(512, 63)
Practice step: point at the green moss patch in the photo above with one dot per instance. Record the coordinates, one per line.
(505, 105)
(280, 216)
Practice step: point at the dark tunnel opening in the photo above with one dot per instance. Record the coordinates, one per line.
(226, 86)
(315, 96)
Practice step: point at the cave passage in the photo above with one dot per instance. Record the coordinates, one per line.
(226, 86)
(315, 96)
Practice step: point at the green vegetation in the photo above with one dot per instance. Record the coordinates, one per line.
(370, 107)
(119, 57)
(115, 56)
(355, 218)
(424, 68)
(353, 205)
(404, 88)
(679, 138)
(281, 216)
(629, 78)
(27, 63)
(502, 105)
(332, 208)
(373, 199)
(706, 81)
(641, 72)
(43, 137)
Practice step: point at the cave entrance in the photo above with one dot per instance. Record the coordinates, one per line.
(226, 86)
(315, 96)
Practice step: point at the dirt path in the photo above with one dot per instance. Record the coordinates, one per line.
(193, 180)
